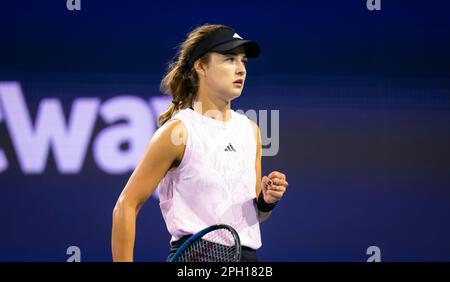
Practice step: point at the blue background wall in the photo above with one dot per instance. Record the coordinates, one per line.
(364, 105)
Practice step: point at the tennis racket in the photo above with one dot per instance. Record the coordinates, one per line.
(216, 243)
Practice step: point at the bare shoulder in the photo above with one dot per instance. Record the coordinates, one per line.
(174, 131)
(171, 137)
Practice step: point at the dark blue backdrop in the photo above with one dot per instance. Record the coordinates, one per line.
(364, 123)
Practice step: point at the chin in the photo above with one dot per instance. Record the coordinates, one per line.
(231, 95)
(234, 96)
(236, 93)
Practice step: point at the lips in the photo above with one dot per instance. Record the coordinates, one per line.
(238, 82)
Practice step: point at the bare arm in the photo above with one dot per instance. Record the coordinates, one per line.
(261, 215)
(166, 146)
(272, 186)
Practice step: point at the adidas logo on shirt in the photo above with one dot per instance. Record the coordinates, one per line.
(230, 148)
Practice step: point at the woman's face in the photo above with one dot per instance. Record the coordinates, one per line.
(225, 74)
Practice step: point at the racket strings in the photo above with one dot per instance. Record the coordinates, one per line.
(216, 246)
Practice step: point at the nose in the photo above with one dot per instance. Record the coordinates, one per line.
(240, 68)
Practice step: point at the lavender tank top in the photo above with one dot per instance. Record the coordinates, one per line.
(215, 181)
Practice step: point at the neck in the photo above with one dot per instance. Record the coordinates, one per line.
(211, 106)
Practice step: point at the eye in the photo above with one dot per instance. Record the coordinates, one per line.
(231, 59)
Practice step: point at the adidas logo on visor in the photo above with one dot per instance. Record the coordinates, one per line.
(237, 36)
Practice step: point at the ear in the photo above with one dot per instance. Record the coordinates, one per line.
(200, 68)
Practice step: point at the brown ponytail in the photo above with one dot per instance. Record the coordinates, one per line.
(180, 81)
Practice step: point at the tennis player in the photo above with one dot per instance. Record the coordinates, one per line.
(205, 158)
